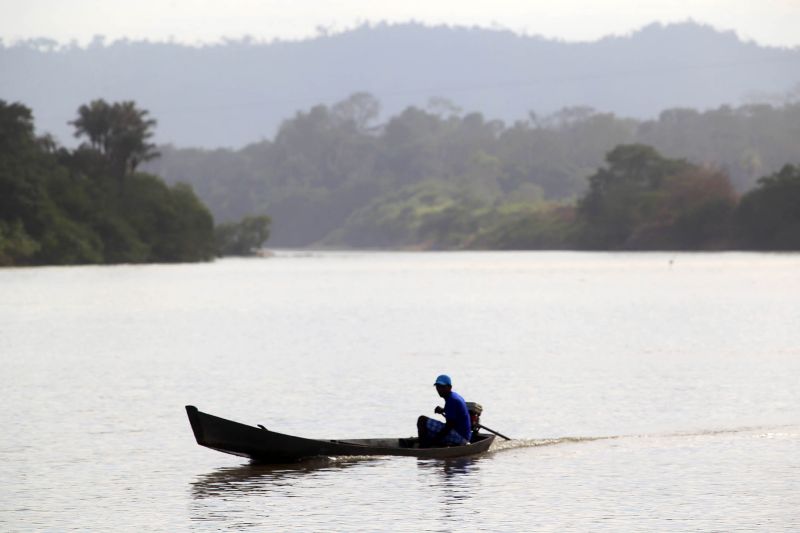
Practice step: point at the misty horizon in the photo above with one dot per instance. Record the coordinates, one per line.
(48, 43)
(190, 22)
(234, 94)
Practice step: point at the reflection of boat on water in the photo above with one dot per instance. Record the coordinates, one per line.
(264, 446)
(253, 478)
(261, 478)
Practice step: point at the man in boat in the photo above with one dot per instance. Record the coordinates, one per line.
(456, 430)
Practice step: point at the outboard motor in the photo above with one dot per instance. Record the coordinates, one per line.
(474, 409)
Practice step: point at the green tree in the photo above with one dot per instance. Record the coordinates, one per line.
(690, 210)
(60, 207)
(120, 132)
(768, 217)
(242, 238)
(35, 229)
(95, 122)
(171, 221)
(16, 246)
(642, 200)
(361, 109)
(20, 190)
(618, 193)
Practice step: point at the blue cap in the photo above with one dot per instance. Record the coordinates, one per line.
(444, 380)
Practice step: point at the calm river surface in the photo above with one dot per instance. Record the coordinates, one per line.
(645, 392)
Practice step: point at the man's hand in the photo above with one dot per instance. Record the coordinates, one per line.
(439, 410)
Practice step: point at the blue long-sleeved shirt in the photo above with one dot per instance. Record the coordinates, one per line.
(455, 411)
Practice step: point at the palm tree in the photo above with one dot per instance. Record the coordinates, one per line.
(120, 132)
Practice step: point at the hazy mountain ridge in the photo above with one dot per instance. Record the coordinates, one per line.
(239, 92)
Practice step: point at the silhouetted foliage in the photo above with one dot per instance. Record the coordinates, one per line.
(768, 218)
(242, 238)
(431, 179)
(61, 207)
(642, 200)
(119, 132)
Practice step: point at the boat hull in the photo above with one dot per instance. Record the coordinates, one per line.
(264, 446)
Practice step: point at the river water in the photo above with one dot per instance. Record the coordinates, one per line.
(644, 392)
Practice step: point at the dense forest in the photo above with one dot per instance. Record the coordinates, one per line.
(439, 178)
(432, 178)
(90, 205)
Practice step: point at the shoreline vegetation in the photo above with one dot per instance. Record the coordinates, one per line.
(91, 205)
(431, 179)
(439, 178)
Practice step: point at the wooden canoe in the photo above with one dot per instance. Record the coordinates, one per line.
(265, 446)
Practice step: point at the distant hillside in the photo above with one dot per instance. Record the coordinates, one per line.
(237, 93)
(428, 179)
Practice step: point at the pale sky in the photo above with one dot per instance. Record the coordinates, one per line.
(772, 22)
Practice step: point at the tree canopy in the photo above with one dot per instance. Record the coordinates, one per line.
(65, 207)
(426, 179)
(244, 237)
(120, 132)
(440, 177)
(641, 199)
(768, 217)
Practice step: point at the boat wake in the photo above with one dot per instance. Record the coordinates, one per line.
(759, 431)
(500, 445)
